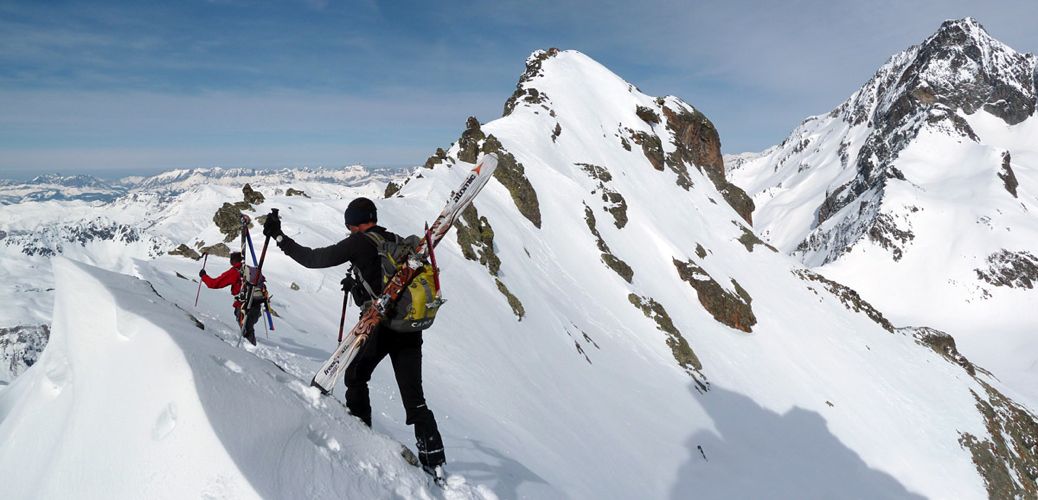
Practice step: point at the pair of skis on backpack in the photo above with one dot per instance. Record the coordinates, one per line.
(253, 277)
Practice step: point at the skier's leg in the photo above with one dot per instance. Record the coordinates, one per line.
(359, 373)
(406, 354)
(250, 322)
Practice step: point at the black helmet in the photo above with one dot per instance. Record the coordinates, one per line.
(359, 211)
(236, 257)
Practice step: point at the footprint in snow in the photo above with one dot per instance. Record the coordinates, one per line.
(165, 423)
(57, 376)
(229, 365)
(328, 445)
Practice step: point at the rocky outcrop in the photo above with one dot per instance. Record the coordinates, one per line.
(679, 347)
(219, 250)
(512, 175)
(1007, 175)
(850, 298)
(228, 219)
(1007, 458)
(613, 262)
(888, 234)
(439, 157)
(750, 240)
(652, 148)
(1011, 269)
(185, 251)
(648, 115)
(296, 192)
(20, 348)
(468, 144)
(727, 308)
(476, 239)
(698, 143)
(615, 203)
(513, 301)
(252, 197)
(391, 189)
(523, 93)
(941, 343)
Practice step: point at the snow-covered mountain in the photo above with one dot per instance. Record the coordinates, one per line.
(919, 192)
(614, 329)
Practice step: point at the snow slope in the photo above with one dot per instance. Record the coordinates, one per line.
(132, 399)
(614, 329)
(919, 193)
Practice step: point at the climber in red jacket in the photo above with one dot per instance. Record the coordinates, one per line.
(235, 278)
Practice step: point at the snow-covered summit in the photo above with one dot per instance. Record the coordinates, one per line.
(959, 67)
(918, 191)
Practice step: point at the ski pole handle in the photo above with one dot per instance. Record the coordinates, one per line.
(205, 257)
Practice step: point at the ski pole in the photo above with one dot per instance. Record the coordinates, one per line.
(342, 319)
(205, 257)
(263, 256)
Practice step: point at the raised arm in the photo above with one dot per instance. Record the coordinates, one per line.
(314, 258)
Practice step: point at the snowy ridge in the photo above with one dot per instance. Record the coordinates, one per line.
(139, 402)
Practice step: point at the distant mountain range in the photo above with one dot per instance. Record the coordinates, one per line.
(88, 188)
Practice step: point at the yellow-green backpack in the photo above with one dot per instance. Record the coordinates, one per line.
(416, 307)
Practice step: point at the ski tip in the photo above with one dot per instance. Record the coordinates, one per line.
(488, 162)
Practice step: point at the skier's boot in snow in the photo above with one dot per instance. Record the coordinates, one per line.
(430, 454)
(439, 476)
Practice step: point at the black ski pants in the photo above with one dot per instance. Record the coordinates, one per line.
(405, 351)
(251, 318)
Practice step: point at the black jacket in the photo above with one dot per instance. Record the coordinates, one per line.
(356, 249)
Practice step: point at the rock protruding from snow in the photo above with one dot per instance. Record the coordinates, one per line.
(20, 347)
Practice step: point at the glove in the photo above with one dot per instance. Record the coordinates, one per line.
(272, 226)
(202, 273)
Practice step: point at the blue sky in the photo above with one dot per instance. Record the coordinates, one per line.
(115, 88)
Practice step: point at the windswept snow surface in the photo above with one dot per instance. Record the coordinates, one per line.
(132, 400)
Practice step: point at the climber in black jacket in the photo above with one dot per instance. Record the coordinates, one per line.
(404, 348)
